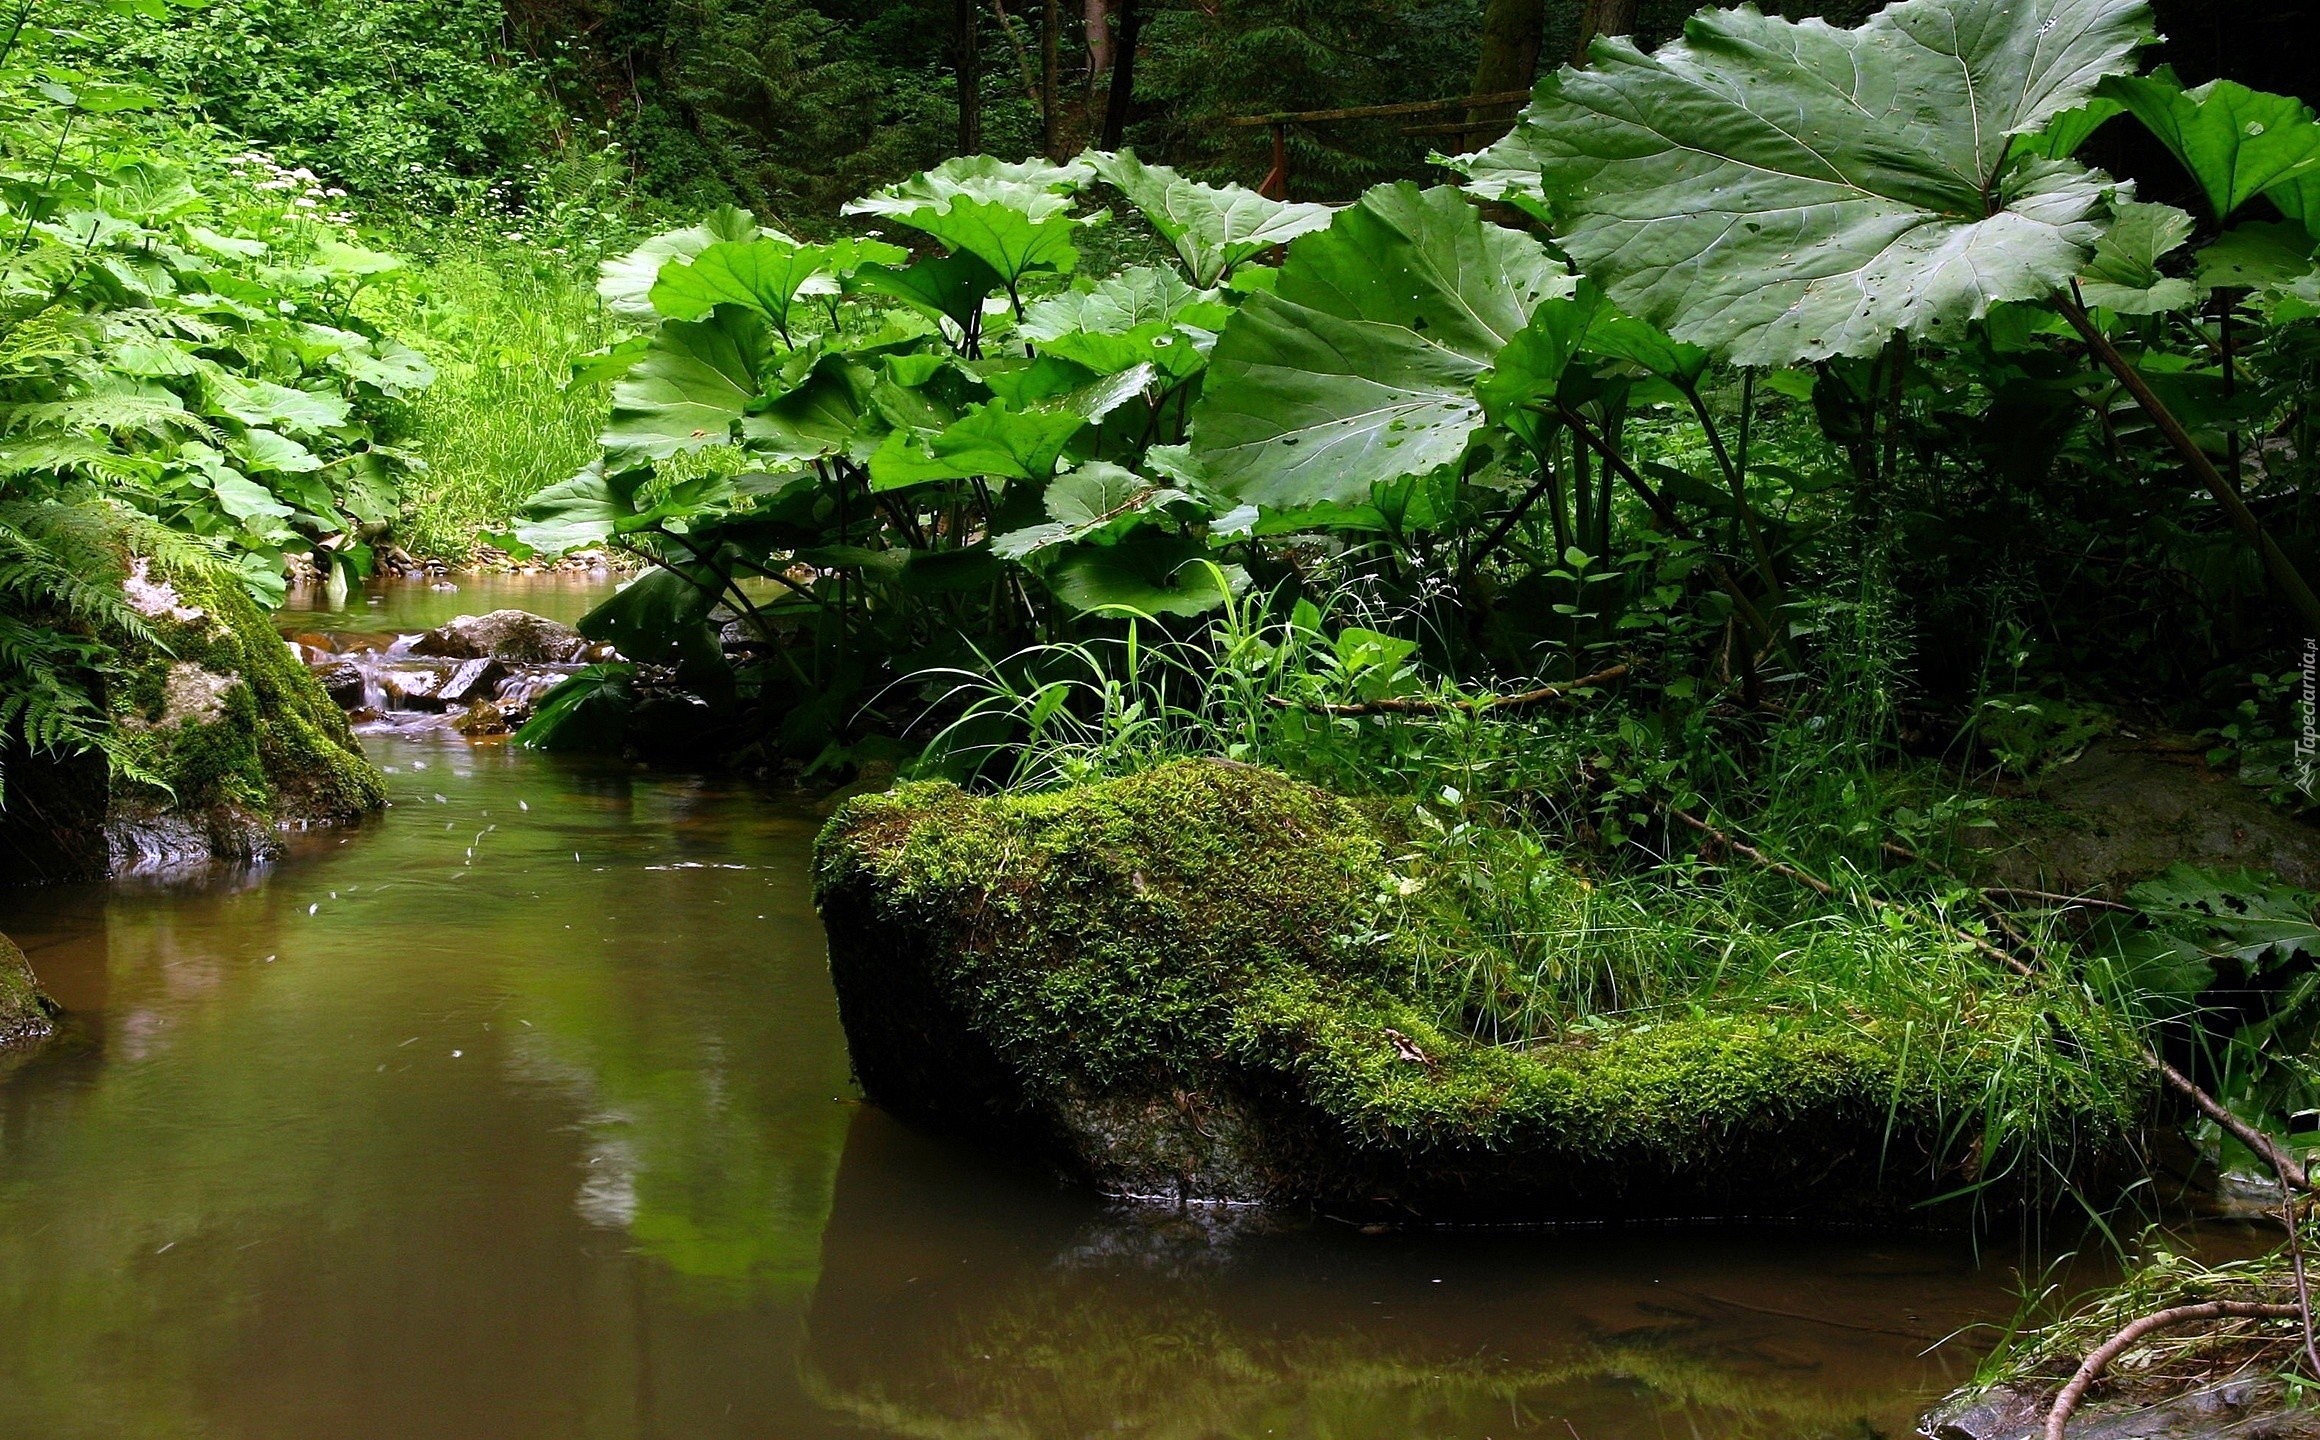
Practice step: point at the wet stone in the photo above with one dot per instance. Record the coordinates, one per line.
(473, 680)
(515, 636)
(412, 686)
(482, 718)
(342, 681)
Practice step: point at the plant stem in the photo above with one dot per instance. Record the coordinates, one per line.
(1667, 516)
(2276, 562)
(1736, 478)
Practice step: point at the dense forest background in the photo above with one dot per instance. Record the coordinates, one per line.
(794, 108)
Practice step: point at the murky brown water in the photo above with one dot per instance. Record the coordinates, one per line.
(523, 1113)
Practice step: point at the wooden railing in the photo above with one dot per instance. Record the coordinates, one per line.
(1276, 182)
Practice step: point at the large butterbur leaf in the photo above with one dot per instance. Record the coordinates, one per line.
(1781, 191)
(625, 284)
(989, 440)
(1149, 573)
(1363, 364)
(1095, 503)
(2124, 277)
(692, 384)
(1015, 218)
(1143, 316)
(1213, 227)
(769, 275)
(941, 287)
(2236, 142)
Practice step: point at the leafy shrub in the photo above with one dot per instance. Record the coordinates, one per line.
(181, 359)
(417, 104)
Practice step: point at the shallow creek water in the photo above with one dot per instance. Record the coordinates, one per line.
(523, 1112)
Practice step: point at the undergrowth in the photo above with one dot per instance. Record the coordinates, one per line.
(505, 417)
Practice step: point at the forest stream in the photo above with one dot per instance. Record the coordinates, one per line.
(523, 1111)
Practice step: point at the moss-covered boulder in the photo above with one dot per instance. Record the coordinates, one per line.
(25, 1014)
(1186, 984)
(222, 740)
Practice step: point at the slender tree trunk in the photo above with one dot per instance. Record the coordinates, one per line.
(1602, 17)
(1050, 86)
(1098, 17)
(1123, 94)
(967, 63)
(1513, 33)
(1023, 66)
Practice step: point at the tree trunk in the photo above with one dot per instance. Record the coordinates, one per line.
(1123, 95)
(1513, 33)
(967, 65)
(1098, 15)
(1602, 17)
(1050, 87)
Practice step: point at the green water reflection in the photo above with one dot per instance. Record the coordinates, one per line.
(433, 1118)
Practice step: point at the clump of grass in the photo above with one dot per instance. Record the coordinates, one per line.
(503, 419)
(1542, 893)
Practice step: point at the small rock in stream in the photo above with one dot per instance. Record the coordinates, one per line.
(482, 718)
(342, 681)
(473, 680)
(516, 636)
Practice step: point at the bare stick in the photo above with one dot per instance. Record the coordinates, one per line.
(2295, 1224)
(2118, 1344)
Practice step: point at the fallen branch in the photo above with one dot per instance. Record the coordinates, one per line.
(1415, 705)
(2100, 1358)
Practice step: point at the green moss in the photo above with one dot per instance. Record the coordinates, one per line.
(1190, 979)
(24, 1011)
(276, 747)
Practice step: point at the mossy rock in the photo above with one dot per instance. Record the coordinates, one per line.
(1183, 985)
(224, 740)
(26, 1015)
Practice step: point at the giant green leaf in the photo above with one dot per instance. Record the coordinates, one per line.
(625, 284)
(830, 413)
(1150, 573)
(1362, 365)
(944, 287)
(262, 402)
(2262, 255)
(2124, 275)
(1619, 336)
(1780, 191)
(1096, 502)
(2299, 200)
(769, 275)
(243, 498)
(992, 439)
(693, 382)
(1015, 218)
(2236, 142)
(582, 510)
(2067, 132)
(1212, 227)
(1138, 317)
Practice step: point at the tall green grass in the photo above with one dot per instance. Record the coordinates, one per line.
(503, 418)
